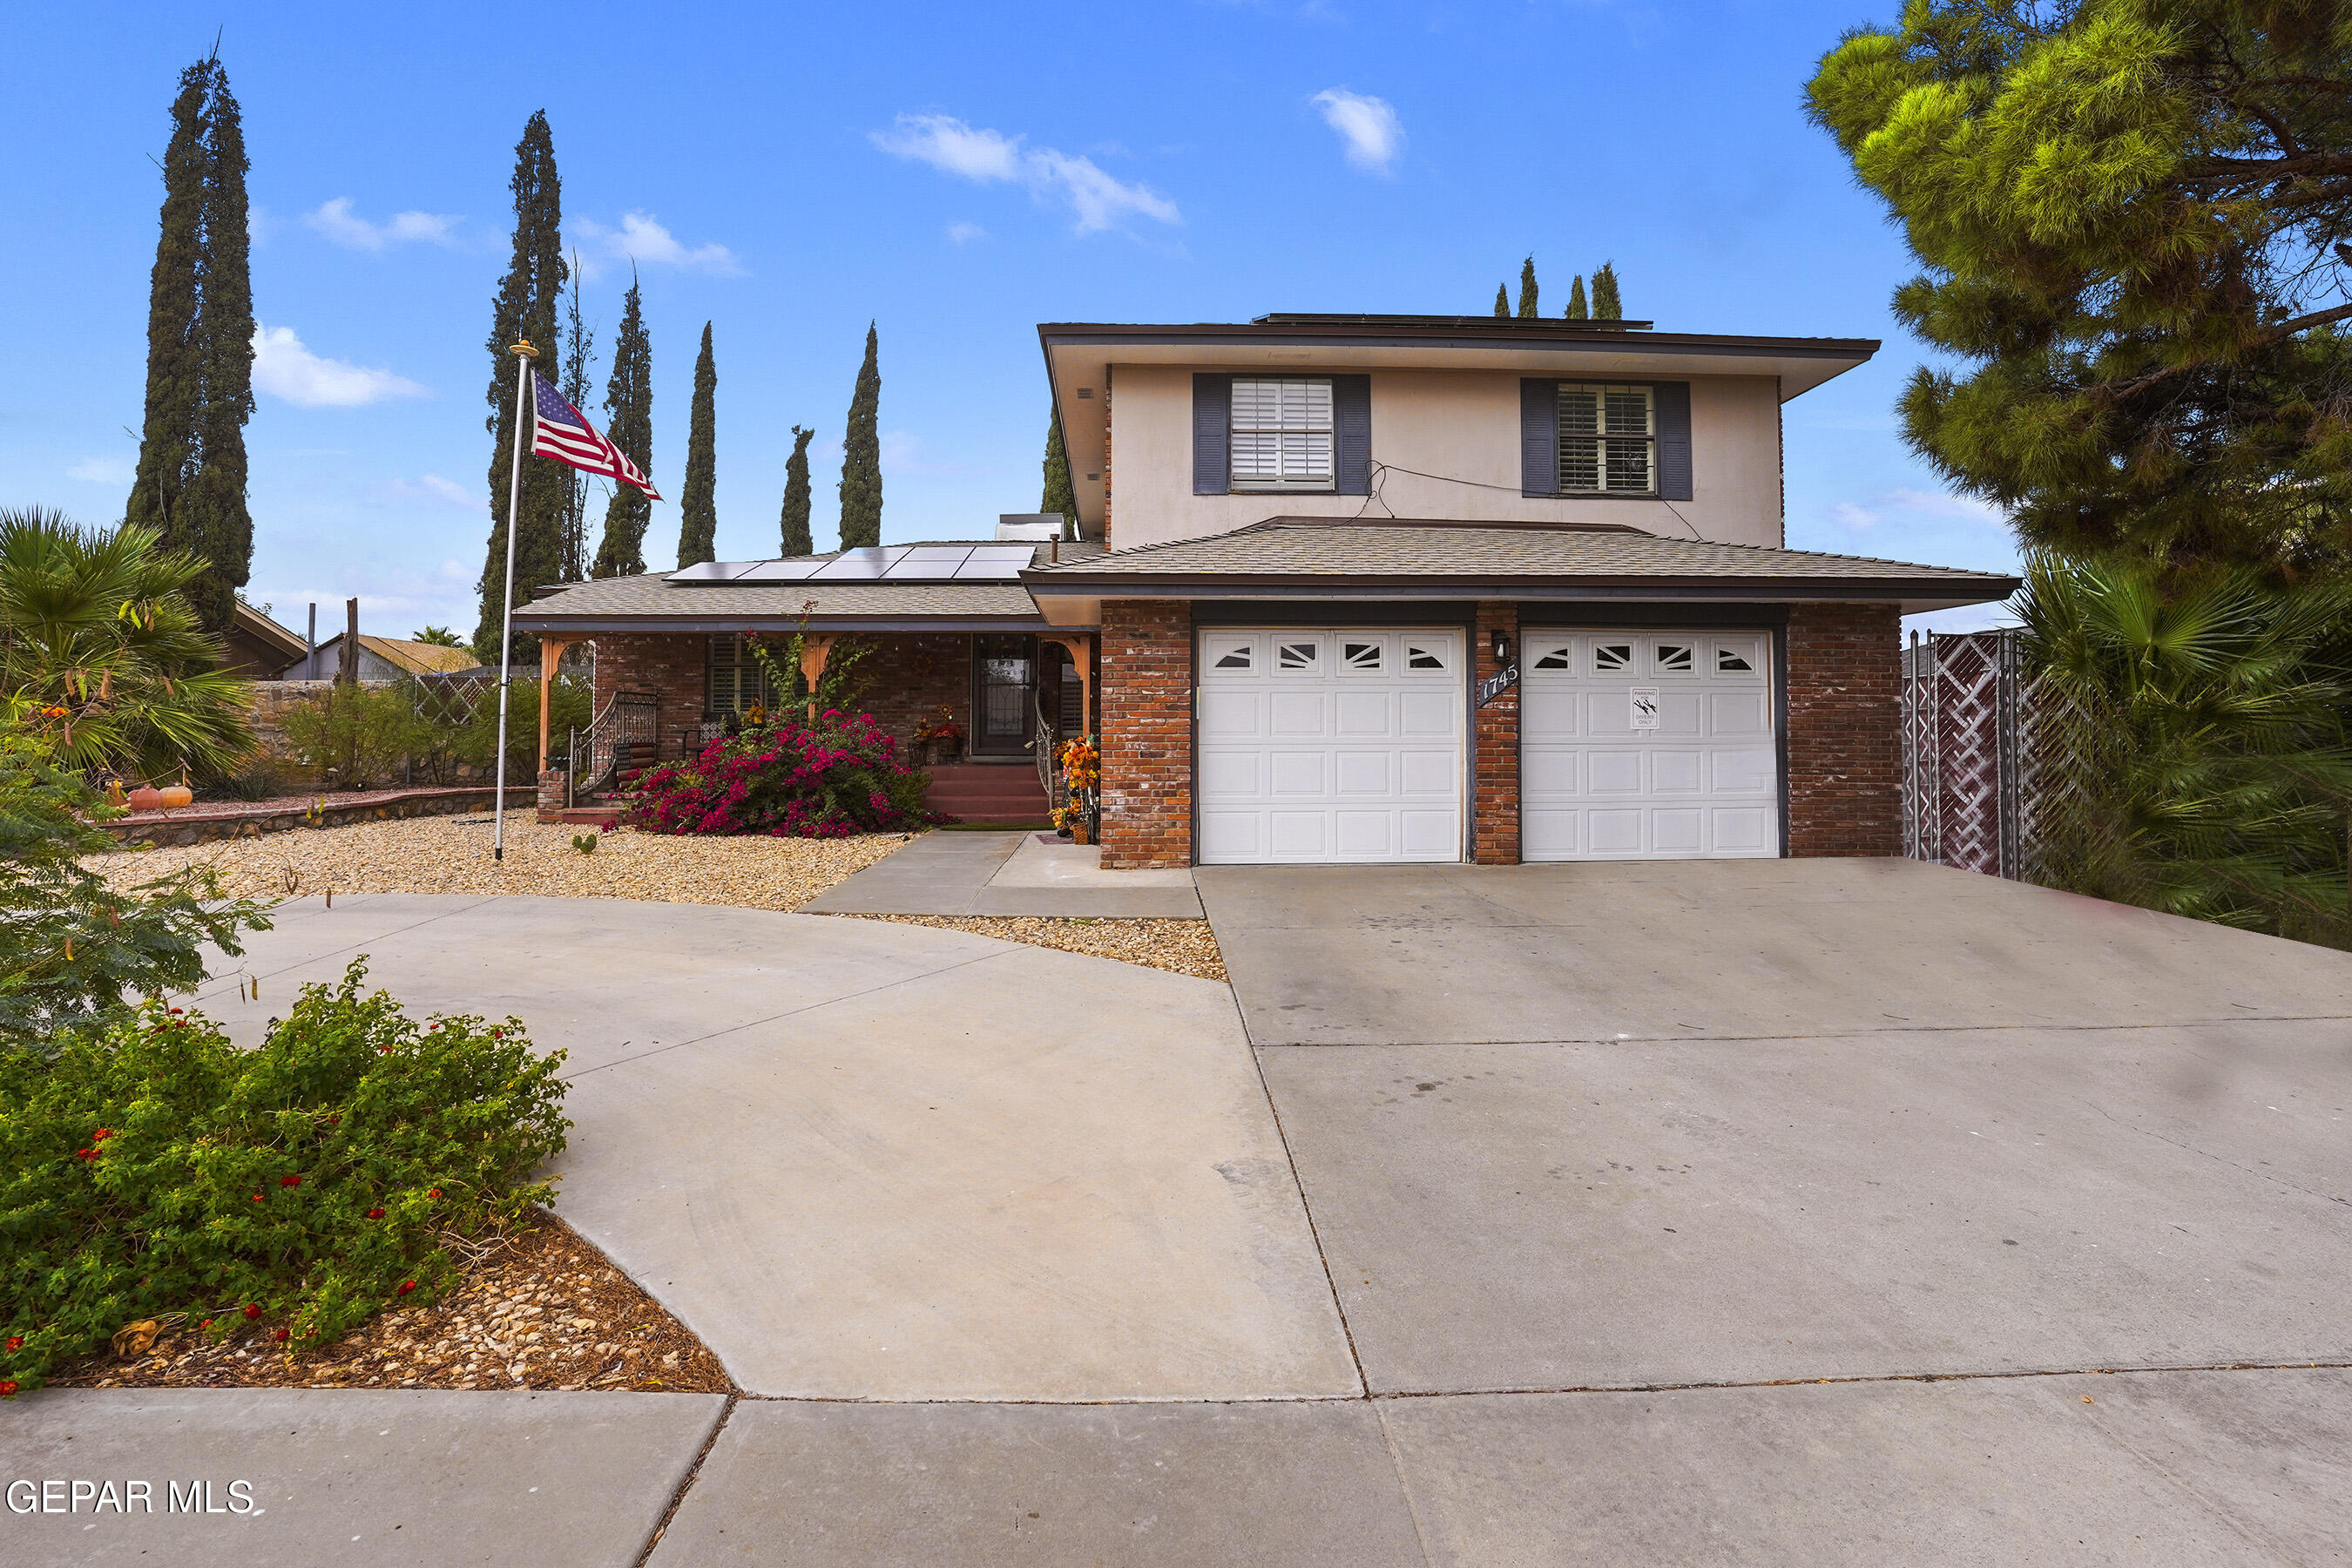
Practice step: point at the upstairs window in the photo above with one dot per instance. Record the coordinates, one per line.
(1608, 439)
(1282, 433)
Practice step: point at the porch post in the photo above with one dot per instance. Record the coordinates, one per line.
(1080, 645)
(550, 654)
(815, 649)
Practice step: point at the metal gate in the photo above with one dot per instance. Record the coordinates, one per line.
(1968, 778)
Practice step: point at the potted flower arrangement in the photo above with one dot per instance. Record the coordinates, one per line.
(1082, 778)
(939, 738)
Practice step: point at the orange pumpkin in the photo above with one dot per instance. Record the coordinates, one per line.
(145, 798)
(176, 796)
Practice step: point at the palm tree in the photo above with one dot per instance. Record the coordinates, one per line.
(101, 654)
(2191, 732)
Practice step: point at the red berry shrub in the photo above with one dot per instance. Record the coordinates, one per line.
(828, 780)
(399, 1134)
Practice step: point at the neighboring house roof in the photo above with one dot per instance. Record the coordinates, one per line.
(418, 658)
(408, 657)
(653, 602)
(1437, 558)
(254, 624)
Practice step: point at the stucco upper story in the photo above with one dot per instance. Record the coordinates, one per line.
(1449, 402)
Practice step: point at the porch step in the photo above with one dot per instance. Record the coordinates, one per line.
(977, 792)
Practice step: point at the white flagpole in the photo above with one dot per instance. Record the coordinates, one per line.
(524, 354)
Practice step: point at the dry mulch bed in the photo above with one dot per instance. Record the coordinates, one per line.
(540, 1308)
(1182, 947)
(452, 854)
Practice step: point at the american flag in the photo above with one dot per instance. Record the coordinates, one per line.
(562, 432)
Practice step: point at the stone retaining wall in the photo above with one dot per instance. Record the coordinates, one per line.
(158, 828)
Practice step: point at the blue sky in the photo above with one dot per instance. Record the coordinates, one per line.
(958, 173)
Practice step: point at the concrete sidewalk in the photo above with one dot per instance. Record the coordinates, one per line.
(1006, 874)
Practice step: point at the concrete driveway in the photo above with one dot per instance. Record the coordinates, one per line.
(1818, 1212)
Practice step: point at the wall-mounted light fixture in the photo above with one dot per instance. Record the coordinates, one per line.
(1502, 645)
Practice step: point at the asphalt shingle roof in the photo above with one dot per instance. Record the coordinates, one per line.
(1313, 548)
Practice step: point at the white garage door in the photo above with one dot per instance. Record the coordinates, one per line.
(1647, 745)
(1341, 746)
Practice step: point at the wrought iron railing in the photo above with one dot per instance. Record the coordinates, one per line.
(621, 738)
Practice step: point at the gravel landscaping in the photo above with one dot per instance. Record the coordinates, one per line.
(1185, 947)
(452, 854)
(540, 1309)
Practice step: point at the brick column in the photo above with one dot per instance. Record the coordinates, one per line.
(1145, 698)
(1495, 813)
(1846, 729)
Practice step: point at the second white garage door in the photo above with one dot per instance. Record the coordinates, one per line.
(1647, 745)
(1337, 745)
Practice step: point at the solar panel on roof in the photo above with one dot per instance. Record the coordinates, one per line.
(786, 571)
(707, 572)
(861, 566)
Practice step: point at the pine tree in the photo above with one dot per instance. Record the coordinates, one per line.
(1576, 308)
(576, 360)
(2129, 221)
(698, 503)
(795, 530)
(629, 425)
(192, 468)
(1527, 288)
(861, 455)
(1502, 301)
(525, 308)
(1059, 496)
(1605, 307)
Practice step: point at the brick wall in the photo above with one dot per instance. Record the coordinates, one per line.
(1146, 697)
(673, 666)
(902, 682)
(1845, 738)
(907, 678)
(1496, 728)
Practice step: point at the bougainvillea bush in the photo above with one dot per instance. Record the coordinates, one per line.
(827, 780)
(151, 1170)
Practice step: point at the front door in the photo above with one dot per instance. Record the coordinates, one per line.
(1003, 683)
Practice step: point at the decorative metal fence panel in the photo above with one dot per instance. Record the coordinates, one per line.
(1969, 780)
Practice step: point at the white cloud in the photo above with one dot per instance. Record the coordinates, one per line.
(103, 471)
(431, 490)
(283, 368)
(641, 239)
(334, 220)
(1097, 199)
(1935, 504)
(1369, 127)
(964, 233)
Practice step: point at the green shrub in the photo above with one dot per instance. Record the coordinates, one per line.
(70, 945)
(154, 1168)
(358, 733)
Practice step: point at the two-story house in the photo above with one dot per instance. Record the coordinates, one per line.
(1376, 588)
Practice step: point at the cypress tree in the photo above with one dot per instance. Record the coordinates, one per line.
(861, 455)
(1059, 496)
(579, 354)
(629, 425)
(525, 307)
(1502, 301)
(698, 503)
(1528, 288)
(1576, 310)
(192, 466)
(796, 540)
(1605, 307)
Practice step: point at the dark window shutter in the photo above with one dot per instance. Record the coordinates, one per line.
(1672, 398)
(1213, 412)
(1351, 429)
(1539, 437)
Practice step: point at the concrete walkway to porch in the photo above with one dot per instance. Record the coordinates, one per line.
(954, 873)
